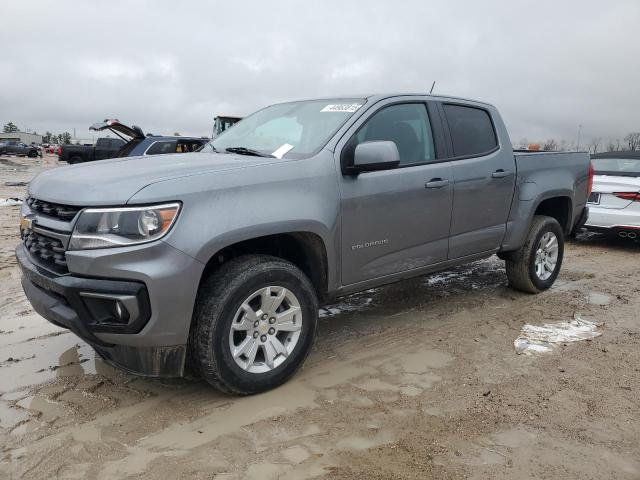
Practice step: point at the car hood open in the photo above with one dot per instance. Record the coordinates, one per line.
(113, 182)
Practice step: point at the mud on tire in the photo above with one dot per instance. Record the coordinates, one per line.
(219, 298)
(521, 264)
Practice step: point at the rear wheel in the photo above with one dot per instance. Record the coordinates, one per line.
(536, 265)
(254, 324)
(74, 159)
(33, 153)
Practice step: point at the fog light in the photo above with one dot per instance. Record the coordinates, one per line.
(110, 309)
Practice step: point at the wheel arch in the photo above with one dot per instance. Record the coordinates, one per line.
(304, 249)
(559, 207)
(556, 204)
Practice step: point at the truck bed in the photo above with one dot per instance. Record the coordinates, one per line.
(546, 175)
(556, 169)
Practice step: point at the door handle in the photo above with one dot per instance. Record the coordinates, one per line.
(436, 183)
(500, 173)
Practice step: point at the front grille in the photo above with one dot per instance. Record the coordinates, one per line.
(47, 251)
(61, 212)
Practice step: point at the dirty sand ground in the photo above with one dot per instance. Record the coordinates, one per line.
(415, 380)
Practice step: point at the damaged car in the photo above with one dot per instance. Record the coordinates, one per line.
(130, 142)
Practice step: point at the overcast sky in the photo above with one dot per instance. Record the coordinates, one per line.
(172, 66)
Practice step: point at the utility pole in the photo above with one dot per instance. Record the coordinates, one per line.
(579, 132)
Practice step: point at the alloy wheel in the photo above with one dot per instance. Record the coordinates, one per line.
(265, 329)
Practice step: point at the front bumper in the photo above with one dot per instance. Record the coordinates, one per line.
(65, 300)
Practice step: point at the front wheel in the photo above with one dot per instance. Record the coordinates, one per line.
(536, 265)
(254, 324)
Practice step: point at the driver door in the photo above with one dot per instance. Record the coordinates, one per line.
(396, 220)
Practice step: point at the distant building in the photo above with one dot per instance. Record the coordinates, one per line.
(23, 137)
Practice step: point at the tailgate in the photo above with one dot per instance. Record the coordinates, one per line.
(117, 127)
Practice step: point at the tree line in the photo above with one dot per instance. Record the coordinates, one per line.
(63, 138)
(631, 142)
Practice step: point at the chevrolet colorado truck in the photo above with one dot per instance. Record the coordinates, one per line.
(219, 263)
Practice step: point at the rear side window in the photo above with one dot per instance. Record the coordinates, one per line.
(162, 147)
(471, 130)
(188, 146)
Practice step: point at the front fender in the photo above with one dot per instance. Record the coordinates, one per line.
(224, 208)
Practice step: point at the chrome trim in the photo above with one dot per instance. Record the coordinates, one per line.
(134, 208)
(48, 233)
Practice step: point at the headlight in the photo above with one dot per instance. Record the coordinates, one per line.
(117, 227)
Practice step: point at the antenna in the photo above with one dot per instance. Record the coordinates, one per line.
(432, 85)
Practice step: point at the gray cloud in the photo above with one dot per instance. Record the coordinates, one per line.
(171, 66)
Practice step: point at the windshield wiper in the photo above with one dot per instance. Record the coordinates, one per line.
(248, 151)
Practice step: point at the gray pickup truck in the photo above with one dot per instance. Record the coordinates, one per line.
(220, 262)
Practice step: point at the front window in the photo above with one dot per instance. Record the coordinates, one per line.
(406, 125)
(625, 167)
(294, 130)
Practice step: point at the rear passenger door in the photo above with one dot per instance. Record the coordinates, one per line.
(107, 148)
(484, 179)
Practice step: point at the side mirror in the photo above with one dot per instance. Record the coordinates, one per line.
(378, 155)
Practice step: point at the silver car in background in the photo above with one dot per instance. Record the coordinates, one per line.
(614, 204)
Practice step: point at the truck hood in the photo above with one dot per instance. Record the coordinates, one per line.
(115, 181)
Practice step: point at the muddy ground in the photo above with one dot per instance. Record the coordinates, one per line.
(416, 380)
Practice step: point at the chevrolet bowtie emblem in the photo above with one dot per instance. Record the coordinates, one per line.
(26, 223)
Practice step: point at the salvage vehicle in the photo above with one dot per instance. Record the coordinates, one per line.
(614, 204)
(13, 147)
(131, 142)
(220, 263)
(103, 148)
(222, 123)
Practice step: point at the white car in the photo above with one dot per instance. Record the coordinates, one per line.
(614, 204)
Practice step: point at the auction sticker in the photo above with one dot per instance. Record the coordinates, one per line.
(342, 107)
(282, 150)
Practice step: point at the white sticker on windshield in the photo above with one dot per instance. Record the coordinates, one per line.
(282, 150)
(342, 107)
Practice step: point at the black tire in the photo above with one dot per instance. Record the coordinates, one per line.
(74, 159)
(520, 265)
(217, 302)
(33, 154)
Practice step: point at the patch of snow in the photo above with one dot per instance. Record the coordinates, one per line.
(349, 305)
(9, 202)
(544, 339)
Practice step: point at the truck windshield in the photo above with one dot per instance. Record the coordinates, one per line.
(296, 129)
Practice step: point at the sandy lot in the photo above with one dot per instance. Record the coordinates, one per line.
(412, 381)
